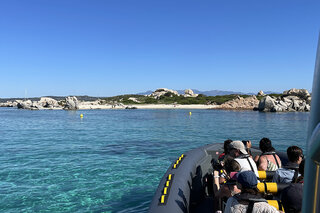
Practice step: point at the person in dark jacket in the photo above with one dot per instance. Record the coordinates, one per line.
(291, 198)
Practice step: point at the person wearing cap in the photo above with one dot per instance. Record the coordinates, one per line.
(238, 151)
(291, 198)
(249, 200)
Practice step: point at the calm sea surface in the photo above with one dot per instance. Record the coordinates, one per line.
(113, 160)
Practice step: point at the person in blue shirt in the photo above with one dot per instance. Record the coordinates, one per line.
(289, 172)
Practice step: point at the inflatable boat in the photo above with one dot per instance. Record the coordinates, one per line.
(187, 184)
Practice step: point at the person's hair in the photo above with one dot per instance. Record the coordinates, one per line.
(245, 142)
(226, 145)
(294, 153)
(231, 165)
(265, 145)
(253, 191)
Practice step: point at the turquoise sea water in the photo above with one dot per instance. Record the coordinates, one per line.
(113, 160)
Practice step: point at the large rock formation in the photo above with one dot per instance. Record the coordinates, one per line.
(24, 104)
(8, 104)
(29, 105)
(48, 102)
(72, 103)
(302, 93)
(43, 103)
(261, 93)
(189, 93)
(163, 92)
(240, 103)
(134, 99)
(290, 100)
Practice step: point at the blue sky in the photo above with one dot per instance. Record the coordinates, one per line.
(112, 47)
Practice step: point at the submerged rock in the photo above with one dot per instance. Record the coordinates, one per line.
(131, 107)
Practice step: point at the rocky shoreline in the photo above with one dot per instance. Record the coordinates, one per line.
(289, 101)
(293, 100)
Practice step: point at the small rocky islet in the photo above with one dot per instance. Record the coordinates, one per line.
(289, 101)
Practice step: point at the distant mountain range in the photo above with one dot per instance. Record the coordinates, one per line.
(211, 92)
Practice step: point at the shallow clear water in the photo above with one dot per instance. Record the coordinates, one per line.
(113, 160)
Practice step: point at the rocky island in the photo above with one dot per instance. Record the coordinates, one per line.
(288, 101)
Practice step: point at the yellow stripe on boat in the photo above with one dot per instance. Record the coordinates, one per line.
(165, 190)
(162, 199)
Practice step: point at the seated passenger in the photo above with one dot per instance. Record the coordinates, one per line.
(225, 187)
(228, 187)
(225, 149)
(289, 173)
(291, 198)
(237, 150)
(249, 200)
(247, 144)
(268, 160)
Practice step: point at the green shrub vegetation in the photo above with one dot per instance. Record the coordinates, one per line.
(171, 98)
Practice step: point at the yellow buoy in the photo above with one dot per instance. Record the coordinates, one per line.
(81, 115)
(190, 113)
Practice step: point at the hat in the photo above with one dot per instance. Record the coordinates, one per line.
(239, 146)
(291, 197)
(247, 179)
